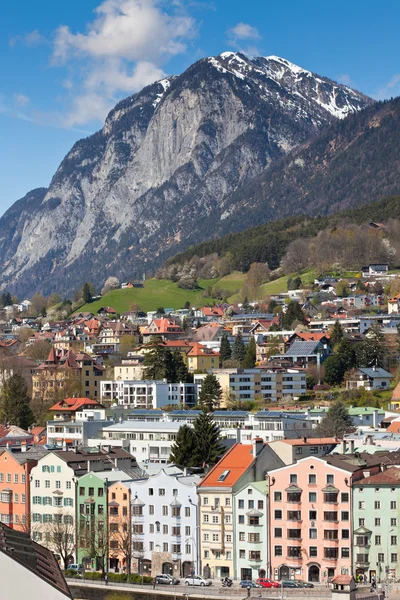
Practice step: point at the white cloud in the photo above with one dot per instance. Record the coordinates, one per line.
(122, 50)
(244, 31)
(33, 38)
(390, 89)
(345, 79)
(21, 99)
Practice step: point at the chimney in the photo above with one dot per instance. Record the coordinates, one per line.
(258, 444)
(375, 418)
(342, 447)
(351, 447)
(305, 440)
(238, 435)
(23, 446)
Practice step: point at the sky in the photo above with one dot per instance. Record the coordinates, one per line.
(65, 63)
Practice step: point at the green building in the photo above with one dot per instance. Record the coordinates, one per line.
(376, 536)
(92, 525)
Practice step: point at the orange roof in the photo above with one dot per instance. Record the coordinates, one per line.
(164, 326)
(311, 441)
(200, 350)
(390, 476)
(237, 460)
(177, 344)
(312, 337)
(396, 392)
(394, 427)
(213, 311)
(395, 298)
(74, 404)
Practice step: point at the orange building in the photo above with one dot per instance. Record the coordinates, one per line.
(15, 471)
(119, 523)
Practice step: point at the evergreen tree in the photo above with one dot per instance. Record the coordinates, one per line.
(86, 293)
(372, 351)
(239, 349)
(293, 313)
(225, 349)
(211, 391)
(183, 448)
(154, 360)
(15, 402)
(208, 447)
(336, 333)
(181, 372)
(347, 354)
(336, 422)
(5, 299)
(249, 361)
(334, 370)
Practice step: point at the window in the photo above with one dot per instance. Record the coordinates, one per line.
(23, 478)
(294, 497)
(47, 483)
(393, 540)
(165, 547)
(16, 498)
(241, 520)
(242, 553)
(59, 469)
(58, 485)
(313, 533)
(345, 552)
(344, 497)
(294, 534)
(187, 530)
(345, 534)
(165, 511)
(215, 537)
(23, 498)
(330, 515)
(205, 519)
(228, 519)
(278, 514)
(206, 537)
(361, 522)
(381, 557)
(254, 555)
(260, 504)
(293, 478)
(278, 496)
(68, 485)
(312, 515)
(331, 552)
(215, 519)
(151, 509)
(345, 515)
(9, 478)
(205, 500)
(361, 505)
(312, 479)
(100, 492)
(277, 532)
(250, 504)
(228, 555)
(15, 477)
(393, 558)
(81, 491)
(37, 483)
(330, 534)
(241, 504)
(151, 528)
(377, 522)
(331, 498)
(294, 515)
(2, 478)
(377, 505)
(165, 529)
(151, 492)
(312, 496)
(378, 540)
(294, 551)
(161, 492)
(393, 505)
(313, 552)
(91, 492)
(187, 511)
(242, 536)
(330, 479)
(278, 551)
(227, 501)
(393, 522)
(174, 492)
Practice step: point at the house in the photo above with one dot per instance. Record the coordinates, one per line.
(201, 358)
(373, 378)
(305, 353)
(28, 569)
(119, 526)
(67, 408)
(148, 393)
(12, 365)
(209, 313)
(394, 304)
(293, 449)
(165, 527)
(107, 311)
(242, 465)
(11, 435)
(163, 328)
(375, 269)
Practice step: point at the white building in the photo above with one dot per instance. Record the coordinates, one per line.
(164, 524)
(250, 554)
(148, 393)
(147, 441)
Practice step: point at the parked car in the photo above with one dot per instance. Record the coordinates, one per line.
(76, 567)
(304, 584)
(197, 580)
(248, 583)
(290, 584)
(166, 580)
(267, 583)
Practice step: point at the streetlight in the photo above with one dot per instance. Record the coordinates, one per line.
(387, 559)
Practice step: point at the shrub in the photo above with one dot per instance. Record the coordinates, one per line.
(70, 573)
(136, 578)
(93, 575)
(117, 577)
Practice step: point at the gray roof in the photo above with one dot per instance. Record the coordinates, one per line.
(231, 413)
(184, 413)
(300, 348)
(278, 414)
(376, 373)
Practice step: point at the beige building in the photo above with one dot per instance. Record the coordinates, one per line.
(130, 369)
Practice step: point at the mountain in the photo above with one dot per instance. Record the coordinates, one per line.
(161, 173)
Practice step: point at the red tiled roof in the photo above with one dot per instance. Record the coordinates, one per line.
(163, 326)
(394, 427)
(213, 311)
(74, 404)
(390, 476)
(237, 460)
(200, 350)
(312, 337)
(311, 441)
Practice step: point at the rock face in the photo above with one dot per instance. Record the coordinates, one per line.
(163, 169)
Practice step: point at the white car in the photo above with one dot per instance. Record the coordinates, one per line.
(197, 580)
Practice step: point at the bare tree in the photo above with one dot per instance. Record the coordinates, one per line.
(57, 534)
(93, 538)
(121, 538)
(112, 283)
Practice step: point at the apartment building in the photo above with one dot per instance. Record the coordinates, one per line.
(376, 535)
(242, 465)
(311, 516)
(250, 552)
(149, 393)
(165, 524)
(269, 384)
(119, 526)
(294, 449)
(15, 469)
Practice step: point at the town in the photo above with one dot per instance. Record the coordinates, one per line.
(258, 443)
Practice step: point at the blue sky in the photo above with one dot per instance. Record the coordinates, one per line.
(66, 62)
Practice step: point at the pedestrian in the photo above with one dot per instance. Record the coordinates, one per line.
(106, 579)
(154, 583)
(248, 592)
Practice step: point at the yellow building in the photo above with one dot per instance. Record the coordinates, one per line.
(201, 358)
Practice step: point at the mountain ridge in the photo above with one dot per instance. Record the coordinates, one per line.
(162, 169)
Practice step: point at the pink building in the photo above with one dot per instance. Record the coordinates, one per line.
(310, 520)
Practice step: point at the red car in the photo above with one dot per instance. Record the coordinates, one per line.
(267, 583)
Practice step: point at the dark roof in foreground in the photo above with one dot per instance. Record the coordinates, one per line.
(37, 559)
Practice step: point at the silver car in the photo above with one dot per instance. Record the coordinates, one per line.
(197, 580)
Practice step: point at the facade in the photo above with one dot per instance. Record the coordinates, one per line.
(310, 521)
(92, 521)
(119, 526)
(201, 358)
(376, 502)
(165, 525)
(129, 370)
(149, 393)
(250, 508)
(242, 465)
(249, 384)
(371, 379)
(291, 450)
